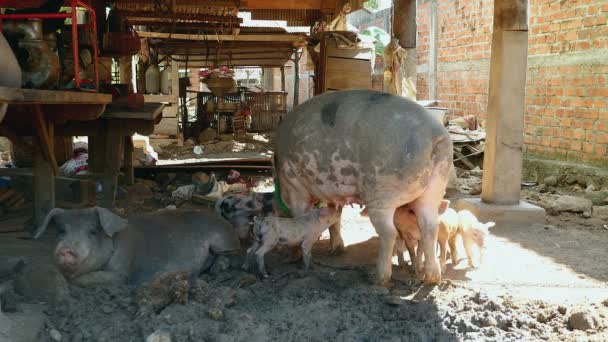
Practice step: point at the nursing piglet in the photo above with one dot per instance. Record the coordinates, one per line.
(303, 231)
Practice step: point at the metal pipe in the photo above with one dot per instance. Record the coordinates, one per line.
(95, 48)
(75, 52)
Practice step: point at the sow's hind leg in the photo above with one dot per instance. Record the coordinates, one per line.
(426, 208)
(383, 222)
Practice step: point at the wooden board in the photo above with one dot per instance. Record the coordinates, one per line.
(150, 111)
(345, 73)
(170, 111)
(167, 126)
(160, 98)
(296, 39)
(350, 53)
(281, 4)
(35, 96)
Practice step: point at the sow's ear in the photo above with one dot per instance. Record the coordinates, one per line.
(110, 222)
(47, 220)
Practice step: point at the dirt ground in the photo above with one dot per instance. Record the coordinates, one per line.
(544, 282)
(250, 145)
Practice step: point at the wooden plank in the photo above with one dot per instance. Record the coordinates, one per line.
(167, 126)
(170, 111)
(282, 4)
(348, 74)
(161, 98)
(350, 53)
(150, 111)
(36, 96)
(183, 16)
(297, 39)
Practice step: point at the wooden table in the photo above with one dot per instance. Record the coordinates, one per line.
(110, 141)
(120, 125)
(37, 113)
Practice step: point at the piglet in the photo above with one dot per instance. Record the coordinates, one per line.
(303, 231)
(472, 232)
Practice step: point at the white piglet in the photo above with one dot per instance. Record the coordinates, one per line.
(304, 231)
(472, 231)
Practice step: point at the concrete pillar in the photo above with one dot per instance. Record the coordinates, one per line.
(503, 157)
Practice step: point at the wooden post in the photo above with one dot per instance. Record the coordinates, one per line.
(126, 74)
(404, 23)
(503, 158)
(113, 141)
(296, 77)
(128, 161)
(404, 29)
(44, 184)
(282, 78)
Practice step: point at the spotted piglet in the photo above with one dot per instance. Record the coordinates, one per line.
(303, 231)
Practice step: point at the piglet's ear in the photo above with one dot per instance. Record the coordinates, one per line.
(47, 221)
(110, 222)
(489, 225)
(443, 206)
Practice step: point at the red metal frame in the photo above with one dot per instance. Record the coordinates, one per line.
(73, 15)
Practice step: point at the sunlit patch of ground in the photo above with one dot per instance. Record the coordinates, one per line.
(507, 268)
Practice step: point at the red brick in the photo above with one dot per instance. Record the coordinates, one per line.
(575, 145)
(588, 147)
(578, 134)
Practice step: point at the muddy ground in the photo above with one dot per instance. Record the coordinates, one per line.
(498, 301)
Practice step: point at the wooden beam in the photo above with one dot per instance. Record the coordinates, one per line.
(198, 25)
(36, 96)
(242, 55)
(241, 62)
(296, 39)
(404, 22)
(228, 59)
(180, 16)
(281, 4)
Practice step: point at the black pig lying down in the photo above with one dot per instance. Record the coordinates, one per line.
(96, 246)
(370, 148)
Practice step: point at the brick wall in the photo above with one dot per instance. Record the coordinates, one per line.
(567, 81)
(463, 32)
